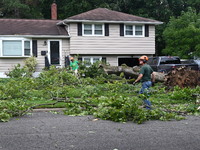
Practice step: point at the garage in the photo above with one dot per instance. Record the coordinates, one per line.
(128, 61)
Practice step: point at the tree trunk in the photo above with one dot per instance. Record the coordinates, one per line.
(131, 72)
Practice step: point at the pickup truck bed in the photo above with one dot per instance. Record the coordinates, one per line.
(167, 63)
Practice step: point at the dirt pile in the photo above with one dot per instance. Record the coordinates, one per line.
(183, 77)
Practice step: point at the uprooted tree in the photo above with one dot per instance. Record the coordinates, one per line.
(183, 77)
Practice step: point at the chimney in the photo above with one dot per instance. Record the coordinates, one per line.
(54, 11)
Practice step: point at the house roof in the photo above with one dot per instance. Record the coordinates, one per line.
(31, 27)
(106, 15)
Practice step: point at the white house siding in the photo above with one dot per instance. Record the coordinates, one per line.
(65, 50)
(7, 64)
(41, 47)
(40, 58)
(112, 44)
(112, 60)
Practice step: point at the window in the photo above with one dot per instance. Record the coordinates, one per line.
(91, 60)
(138, 30)
(15, 48)
(129, 30)
(93, 29)
(87, 29)
(134, 30)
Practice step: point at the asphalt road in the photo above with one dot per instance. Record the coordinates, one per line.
(48, 131)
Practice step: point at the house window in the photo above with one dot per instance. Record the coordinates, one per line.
(134, 30)
(138, 30)
(87, 29)
(129, 30)
(93, 29)
(15, 48)
(91, 60)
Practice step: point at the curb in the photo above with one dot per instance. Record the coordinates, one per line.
(47, 109)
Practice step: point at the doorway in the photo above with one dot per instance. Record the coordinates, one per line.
(54, 52)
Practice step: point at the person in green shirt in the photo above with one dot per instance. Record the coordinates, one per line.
(147, 77)
(74, 65)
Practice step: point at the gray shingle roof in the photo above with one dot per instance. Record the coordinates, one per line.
(105, 14)
(31, 27)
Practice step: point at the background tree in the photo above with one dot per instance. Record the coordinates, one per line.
(160, 10)
(20, 9)
(182, 35)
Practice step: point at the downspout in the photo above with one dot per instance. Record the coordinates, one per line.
(67, 56)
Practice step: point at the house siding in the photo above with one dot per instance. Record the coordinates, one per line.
(7, 64)
(112, 44)
(41, 59)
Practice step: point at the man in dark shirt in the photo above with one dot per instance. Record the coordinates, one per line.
(146, 76)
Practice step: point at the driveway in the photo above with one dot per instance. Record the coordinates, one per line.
(49, 131)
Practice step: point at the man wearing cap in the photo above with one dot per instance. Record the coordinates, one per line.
(74, 65)
(146, 76)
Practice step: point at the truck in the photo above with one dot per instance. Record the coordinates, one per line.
(167, 63)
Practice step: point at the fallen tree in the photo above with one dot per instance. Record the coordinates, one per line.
(132, 72)
(182, 77)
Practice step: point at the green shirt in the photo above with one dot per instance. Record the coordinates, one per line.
(146, 70)
(74, 65)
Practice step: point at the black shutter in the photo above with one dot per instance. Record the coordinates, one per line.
(47, 64)
(67, 61)
(106, 29)
(146, 30)
(121, 29)
(104, 60)
(34, 48)
(79, 26)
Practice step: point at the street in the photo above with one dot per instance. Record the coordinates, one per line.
(50, 131)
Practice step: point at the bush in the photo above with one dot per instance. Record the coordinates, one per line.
(26, 71)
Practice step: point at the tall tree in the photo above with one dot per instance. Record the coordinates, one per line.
(182, 35)
(20, 9)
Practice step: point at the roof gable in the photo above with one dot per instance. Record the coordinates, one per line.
(31, 27)
(103, 14)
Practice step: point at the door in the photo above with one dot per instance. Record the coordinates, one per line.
(54, 52)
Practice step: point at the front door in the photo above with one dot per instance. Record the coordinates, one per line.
(54, 53)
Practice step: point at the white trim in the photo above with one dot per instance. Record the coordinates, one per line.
(14, 39)
(37, 36)
(92, 58)
(60, 52)
(107, 21)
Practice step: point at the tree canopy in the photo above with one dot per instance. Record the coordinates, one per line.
(161, 10)
(182, 35)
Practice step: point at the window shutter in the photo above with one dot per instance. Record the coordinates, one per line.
(121, 29)
(79, 26)
(47, 64)
(106, 29)
(103, 60)
(146, 30)
(34, 48)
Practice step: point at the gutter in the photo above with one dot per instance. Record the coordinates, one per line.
(106, 21)
(38, 36)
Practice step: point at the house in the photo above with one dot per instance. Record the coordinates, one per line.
(99, 34)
